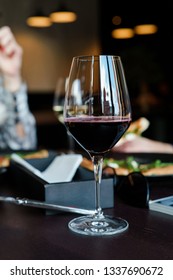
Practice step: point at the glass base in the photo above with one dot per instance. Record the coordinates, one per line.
(91, 225)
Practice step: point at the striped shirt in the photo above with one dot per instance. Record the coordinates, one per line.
(14, 109)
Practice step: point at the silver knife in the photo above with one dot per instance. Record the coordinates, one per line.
(44, 205)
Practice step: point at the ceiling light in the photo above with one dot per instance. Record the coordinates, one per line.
(123, 33)
(145, 29)
(63, 15)
(39, 20)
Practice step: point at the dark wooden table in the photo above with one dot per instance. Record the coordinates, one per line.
(27, 233)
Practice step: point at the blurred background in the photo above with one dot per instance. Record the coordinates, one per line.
(48, 52)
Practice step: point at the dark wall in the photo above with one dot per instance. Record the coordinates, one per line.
(147, 63)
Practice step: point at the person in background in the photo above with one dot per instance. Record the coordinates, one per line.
(17, 123)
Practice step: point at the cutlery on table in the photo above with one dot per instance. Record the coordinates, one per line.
(41, 204)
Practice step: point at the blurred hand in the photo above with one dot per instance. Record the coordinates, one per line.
(10, 58)
(141, 144)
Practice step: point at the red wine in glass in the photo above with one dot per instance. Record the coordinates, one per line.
(97, 135)
(97, 112)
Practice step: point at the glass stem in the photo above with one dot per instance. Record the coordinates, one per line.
(98, 162)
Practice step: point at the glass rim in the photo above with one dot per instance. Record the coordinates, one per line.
(86, 57)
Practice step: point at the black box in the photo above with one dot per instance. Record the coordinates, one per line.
(78, 193)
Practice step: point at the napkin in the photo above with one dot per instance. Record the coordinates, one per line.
(61, 169)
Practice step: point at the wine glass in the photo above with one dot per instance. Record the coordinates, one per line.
(97, 112)
(59, 97)
(58, 106)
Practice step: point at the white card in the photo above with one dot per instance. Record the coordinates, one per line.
(61, 169)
